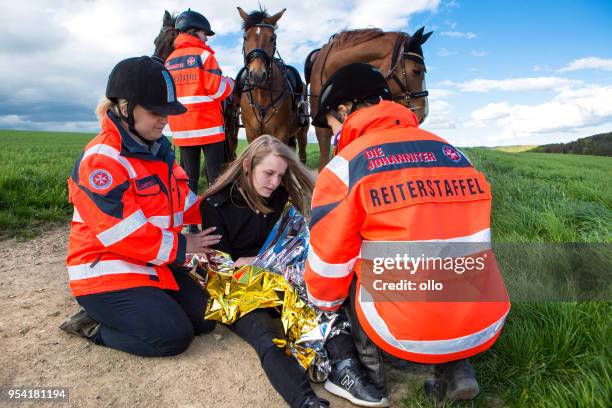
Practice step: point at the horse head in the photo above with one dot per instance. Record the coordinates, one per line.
(164, 42)
(259, 44)
(408, 73)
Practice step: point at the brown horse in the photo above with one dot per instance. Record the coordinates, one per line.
(396, 54)
(273, 97)
(164, 45)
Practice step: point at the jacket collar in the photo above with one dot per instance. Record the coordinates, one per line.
(385, 115)
(232, 191)
(131, 148)
(187, 40)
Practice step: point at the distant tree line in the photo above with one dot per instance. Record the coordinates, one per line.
(597, 145)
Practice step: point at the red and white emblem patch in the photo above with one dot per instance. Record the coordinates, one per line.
(190, 61)
(100, 179)
(452, 153)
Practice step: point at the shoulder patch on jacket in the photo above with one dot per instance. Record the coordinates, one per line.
(100, 179)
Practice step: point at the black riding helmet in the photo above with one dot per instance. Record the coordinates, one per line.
(352, 83)
(192, 19)
(146, 82)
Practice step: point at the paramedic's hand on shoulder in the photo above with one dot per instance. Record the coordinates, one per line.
(202, 241)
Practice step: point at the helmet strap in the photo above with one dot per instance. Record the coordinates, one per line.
(336, 116)
(129, 119)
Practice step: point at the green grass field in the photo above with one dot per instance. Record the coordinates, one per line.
(514, 148)
(549, 355)
(34, 167)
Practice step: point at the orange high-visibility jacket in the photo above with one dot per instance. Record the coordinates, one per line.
(381, 187)
(130, 203)
(201, 87)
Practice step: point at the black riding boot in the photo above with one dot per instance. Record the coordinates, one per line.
(455, 381)
(80, 324)
(369, 354)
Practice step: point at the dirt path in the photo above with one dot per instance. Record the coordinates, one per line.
(217, 370)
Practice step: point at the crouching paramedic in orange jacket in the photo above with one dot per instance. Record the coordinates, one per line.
(392, 184)
(130, 201)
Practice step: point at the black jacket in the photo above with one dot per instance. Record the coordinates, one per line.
(243, 231)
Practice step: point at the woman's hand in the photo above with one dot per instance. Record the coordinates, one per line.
(202, 241)
(244, 261)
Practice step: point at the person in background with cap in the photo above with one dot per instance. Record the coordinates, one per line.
(130, 198)
(201, 87)
(380, 188)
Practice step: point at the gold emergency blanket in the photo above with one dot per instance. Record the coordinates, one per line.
(235, 292)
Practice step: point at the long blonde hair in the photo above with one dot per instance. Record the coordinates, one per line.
(105, 104)
(298, 180)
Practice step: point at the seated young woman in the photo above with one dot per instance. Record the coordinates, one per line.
(244, 204)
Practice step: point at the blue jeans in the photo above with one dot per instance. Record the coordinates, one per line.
(149, 321)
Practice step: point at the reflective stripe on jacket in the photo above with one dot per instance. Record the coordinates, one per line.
(129, 207)
(201, 87)
(394, 182)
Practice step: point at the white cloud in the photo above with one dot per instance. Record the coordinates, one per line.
(439, 93)
(515, 84)
(389, 14)
(479, 53)
(20, 122)
(61, 52)
(469, 35)
(569, 111)
(297, 35)
(588, 63)
(541, 68)
(451, 4)
(441, 116)
(445, 52)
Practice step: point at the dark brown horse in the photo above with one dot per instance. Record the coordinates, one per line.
(396, 54)
(164, 45)
(273, 93)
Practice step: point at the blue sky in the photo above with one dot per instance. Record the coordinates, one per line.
(499, 72)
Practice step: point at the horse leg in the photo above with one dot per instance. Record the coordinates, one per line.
(323, 137)
(250, 134)
(231, 131)
(291, 142)
(302, 138)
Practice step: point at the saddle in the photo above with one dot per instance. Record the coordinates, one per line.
(295, 87)
(308, 64)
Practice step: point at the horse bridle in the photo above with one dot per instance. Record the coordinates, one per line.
(268, 60)
(398, 58)
(258, 52)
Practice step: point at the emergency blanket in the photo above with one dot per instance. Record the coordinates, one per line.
(274, 280)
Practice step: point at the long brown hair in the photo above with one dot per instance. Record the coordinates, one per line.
(298, 180)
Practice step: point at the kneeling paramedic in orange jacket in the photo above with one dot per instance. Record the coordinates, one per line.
(130, 202)
(392, 184)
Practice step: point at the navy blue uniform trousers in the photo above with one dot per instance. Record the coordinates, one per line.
(149, 321)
